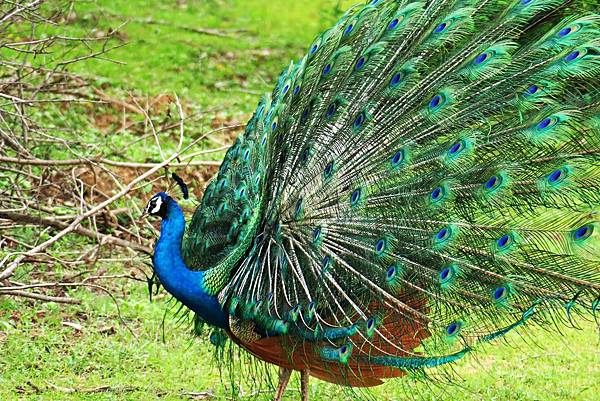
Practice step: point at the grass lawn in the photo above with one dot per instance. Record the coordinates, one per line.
(229, 71)
(45, 358)
(57, 352)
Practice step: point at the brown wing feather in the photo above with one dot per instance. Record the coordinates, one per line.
(290, 353)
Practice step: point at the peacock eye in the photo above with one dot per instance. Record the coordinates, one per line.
(349, 29)
(441, 27)
(532, 89)
(453, 328)
(436, 101)
(500, 293)
(572, 56)
(481, 58)
(360, 63)
(564, 32)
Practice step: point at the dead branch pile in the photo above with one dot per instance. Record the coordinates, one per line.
(55, 182)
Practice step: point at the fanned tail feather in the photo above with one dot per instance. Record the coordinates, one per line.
(425, 179)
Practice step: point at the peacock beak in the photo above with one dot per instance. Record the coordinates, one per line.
(144, 215)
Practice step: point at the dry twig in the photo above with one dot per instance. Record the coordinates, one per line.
(56, 184)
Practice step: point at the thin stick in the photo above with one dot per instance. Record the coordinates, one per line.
(18, 9)
(71, 227)
(181, 121)
(40, 297)
(104, 238)
(152, 128)
(77, 162)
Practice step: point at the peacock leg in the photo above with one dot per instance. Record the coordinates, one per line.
(304, 376)
(284, 378)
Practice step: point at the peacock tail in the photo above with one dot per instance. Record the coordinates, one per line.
(426, 178)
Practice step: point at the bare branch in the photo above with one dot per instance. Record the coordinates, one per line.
(39, 297)
(71, 227)
(55, 223)
(77, 162)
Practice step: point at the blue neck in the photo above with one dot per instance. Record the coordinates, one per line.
(185, 285)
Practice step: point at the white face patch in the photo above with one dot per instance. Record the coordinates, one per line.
(158, 202)
(153, 205)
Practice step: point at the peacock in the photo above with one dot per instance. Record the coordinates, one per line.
(424, 180)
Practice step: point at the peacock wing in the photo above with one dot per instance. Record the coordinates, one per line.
(224, 224)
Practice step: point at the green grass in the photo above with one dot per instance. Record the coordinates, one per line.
(228, 73)
(42, 359)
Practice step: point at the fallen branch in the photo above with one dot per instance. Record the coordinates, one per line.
(103, 238)
(8, 271)
(78, 162)
(202, 31)
(18, 290)
(18, 9)
(40, 297)
(195, 395)
(99, 389)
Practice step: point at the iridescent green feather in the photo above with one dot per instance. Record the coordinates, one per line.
(436, 164)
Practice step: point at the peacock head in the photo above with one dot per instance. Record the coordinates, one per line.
(157, 205)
